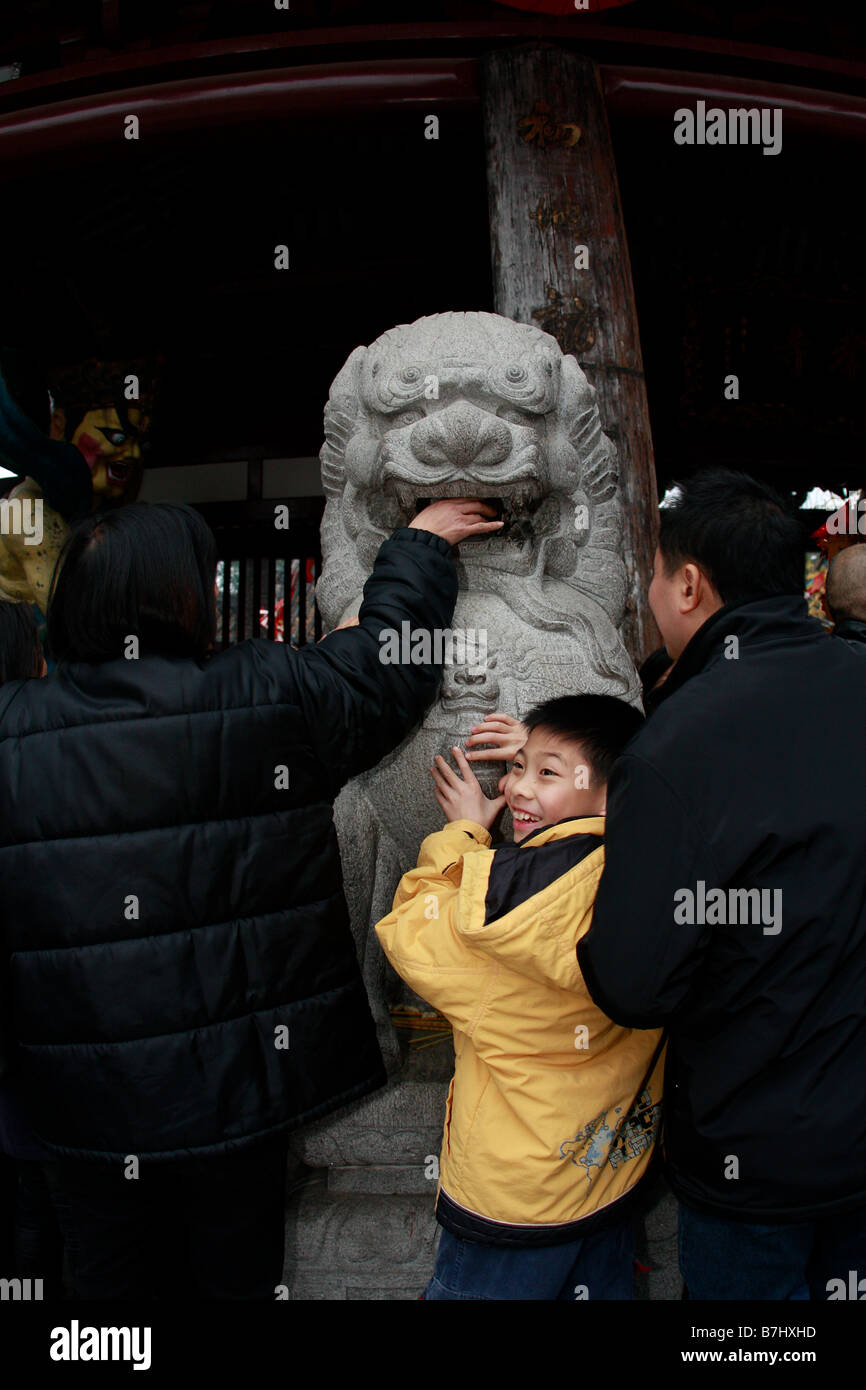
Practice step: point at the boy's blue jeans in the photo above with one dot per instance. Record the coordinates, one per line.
(598, 1266)
(723, 1258)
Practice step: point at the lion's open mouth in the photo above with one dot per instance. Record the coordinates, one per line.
(516, 505)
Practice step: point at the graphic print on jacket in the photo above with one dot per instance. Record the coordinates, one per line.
(599, 1142)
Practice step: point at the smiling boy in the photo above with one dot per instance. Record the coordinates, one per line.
(553, 1110)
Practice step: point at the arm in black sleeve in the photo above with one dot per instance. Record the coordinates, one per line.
(636, 959)
(60, 469)
(357, 706)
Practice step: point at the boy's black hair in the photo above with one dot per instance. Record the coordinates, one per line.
(745, 537)
(602, 724)
(20, 649)
(147, 570)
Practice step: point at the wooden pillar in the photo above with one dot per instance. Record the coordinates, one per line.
(553, 188)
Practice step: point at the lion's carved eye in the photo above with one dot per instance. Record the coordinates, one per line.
(410, 375)
(402, 418)
(515, 373)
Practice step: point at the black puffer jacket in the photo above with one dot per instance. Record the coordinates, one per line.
(167, 911)
(750, 775)
(853, 631)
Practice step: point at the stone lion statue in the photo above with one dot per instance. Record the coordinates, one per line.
(469, 404)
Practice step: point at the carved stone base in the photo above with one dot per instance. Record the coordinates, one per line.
(345, 1243)
(361, 1224)
(398, 1126)
(359, 1245)
(657, 1247)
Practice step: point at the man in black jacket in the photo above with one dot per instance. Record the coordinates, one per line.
(733, 904)
(845, 595)
(183, 987)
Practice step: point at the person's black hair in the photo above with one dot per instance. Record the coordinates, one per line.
(20, 649)
(601, 724)
(145, 570)
(743, 535)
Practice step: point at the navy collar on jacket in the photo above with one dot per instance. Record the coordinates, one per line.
(515, 876)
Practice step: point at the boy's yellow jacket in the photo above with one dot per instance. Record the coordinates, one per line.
(542, 1076)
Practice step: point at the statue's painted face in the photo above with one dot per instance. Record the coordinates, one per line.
(111, 448)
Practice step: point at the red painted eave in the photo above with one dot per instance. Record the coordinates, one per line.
(643, 92)
(208, 103)
(467, 38)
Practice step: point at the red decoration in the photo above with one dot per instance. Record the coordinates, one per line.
(280, 607)
(846, 521)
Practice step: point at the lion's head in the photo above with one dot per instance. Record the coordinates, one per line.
(473, 404)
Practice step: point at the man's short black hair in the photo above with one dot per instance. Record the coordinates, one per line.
(146, 570)
(743, 535)
(20, 649)
(602, 724)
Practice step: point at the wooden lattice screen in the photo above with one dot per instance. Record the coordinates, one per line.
(266, 577)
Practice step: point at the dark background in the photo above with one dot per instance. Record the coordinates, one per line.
(742, 262)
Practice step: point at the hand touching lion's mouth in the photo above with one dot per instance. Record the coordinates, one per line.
(462, 450)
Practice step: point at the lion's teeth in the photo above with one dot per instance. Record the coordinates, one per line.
(406, 497)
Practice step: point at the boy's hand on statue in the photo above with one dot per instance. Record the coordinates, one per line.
(455, 518)
(506, 734)
(461, 797)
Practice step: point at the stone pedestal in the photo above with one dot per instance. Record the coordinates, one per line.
(361, 1225)
(656, 1247)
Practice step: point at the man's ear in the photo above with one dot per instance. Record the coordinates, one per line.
(706, 595)
(58, 423)
(692, 587)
